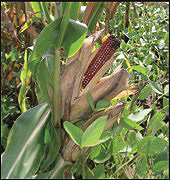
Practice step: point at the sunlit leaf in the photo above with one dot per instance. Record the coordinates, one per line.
(74, 132)
(92, 134)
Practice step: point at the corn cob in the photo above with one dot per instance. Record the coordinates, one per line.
(104, 53)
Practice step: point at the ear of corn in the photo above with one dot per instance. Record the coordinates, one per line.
(104, 53)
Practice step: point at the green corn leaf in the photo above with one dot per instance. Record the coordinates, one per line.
(25, 145)
(54, 146)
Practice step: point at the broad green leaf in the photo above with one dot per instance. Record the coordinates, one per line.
(140, 69)
(75, 10)
(118, 144)
(90, 99)
(104, 137)
(131, 138)
(25, 76)
(162, 156)
(25, 145)
(54, 146)
(44, 79)
(93, 133)
(74, 132)
(166, 90)
(74, 37)
(145, 92)
(155, 123)
(141, 165)
(166, 104)
(139, 115)
(123, 47)
(151, 145)
(99, 171)
(57, 172)
(102, 104)
(47, 39)
(127, 123)
(155, 87)
(161, 166)
(102, 157)
(94, 151)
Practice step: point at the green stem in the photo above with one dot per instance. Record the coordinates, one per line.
(46, 12)
(56, 90)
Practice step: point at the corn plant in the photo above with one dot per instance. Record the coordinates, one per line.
(71, 123)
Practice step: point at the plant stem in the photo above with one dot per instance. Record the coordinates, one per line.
(46, 13)
(56, 90)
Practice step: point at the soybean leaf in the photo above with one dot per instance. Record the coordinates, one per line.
(166, 104)
(141, 165)
(145, 93)
(155, 87)
(118, 144)
(74, 132)
(127, 123)
(94, 151)
(140, 69)
(93, 133)
(155, 123)
(166, 90)
(102, 157)
(99, 171)
(140, 115)
(102, 104)
(25, 144)
(151, 145)
(160, 166)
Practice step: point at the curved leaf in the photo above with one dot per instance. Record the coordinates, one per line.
(93, 133)
(25, 146)
(74, 132)
(74, 37)
(47, 39)
(49, 36)
(57, 172)
(54, 146)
